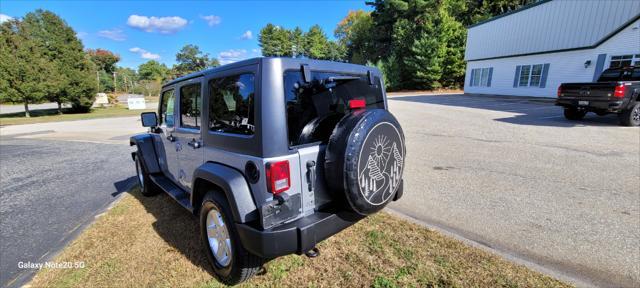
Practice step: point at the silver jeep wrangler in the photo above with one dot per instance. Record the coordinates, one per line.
(273, 154)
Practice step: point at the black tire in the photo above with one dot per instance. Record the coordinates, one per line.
(365, 159)
(574, 114)
(147, 187)
(242, 264)
(630, 117)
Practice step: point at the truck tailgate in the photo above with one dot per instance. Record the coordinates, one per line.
(588, 91)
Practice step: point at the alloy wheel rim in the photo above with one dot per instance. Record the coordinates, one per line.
(636, 114)
(218, 237)
(140, 176)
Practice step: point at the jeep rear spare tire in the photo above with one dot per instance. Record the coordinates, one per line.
(365, 159)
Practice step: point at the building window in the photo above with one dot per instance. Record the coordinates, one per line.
(624, 60)
(530, 75)
(481, 77)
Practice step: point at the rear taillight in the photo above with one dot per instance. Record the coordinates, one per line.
(619, 92)
(559, 90)
(357, 103)
(278, 176)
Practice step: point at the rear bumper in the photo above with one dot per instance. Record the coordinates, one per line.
(613, 106)
(296, 237)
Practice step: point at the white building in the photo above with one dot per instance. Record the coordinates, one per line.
(532, 50)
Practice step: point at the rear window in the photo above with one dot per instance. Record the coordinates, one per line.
(324, 100)
(610, 75)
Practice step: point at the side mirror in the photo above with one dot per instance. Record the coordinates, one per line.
(149, 119)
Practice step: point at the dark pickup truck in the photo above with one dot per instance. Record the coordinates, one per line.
(617, 91)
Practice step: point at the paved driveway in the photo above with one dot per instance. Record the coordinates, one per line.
(55, 178)
(514, 175)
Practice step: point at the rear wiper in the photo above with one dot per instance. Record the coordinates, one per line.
(341, 78)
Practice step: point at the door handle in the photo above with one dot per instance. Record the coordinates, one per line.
(194, 144)
(311, 174)
(171, 138)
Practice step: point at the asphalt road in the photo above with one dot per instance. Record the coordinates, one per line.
(51, 189)
(515, 176)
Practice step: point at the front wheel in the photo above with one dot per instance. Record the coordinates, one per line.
(574, 114)
(231, 263)
(147, 188)
(630, 117)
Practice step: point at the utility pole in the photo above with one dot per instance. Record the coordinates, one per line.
(126, 89)
(114, 82)
(98, 77)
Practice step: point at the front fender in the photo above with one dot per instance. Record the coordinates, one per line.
(233, 185)
(146, 151)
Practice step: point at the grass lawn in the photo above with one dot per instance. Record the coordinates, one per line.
(152, 242)
(51, 115)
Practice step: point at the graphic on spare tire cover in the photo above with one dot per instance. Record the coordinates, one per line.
(380, 164)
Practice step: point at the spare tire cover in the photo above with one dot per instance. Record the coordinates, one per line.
(365, 159)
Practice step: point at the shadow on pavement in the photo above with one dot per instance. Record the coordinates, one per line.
(124, 185)
(529, 110)
(177, 227)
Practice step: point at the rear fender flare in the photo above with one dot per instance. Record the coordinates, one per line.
(233, 185)
(146, 151)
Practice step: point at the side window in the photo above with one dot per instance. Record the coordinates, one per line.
(231, 101)
(167, 108)
(190, 103)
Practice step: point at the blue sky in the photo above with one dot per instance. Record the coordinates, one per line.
(139, 31)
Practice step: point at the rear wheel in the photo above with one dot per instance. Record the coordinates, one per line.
(630, 117)
(147, 188)
(574, 114)
(231, 263)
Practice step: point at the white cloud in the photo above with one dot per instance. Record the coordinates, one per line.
(144, 53)
(257, 51)
(232, 55)
(81, 34)
(212, 20)
(164, 25)
(4, 18)
(115, 34)
(246, 35)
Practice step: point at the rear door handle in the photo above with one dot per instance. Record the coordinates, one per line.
(311, 174)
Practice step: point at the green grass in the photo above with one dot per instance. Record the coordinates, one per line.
(51, 115)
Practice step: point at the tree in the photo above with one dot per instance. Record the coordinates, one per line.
(190, 59)
(336, 51)
(73, 79)
(152, 70)
(275, 41)
(355, 33)
(126, 77)
(298, 47)
(104, 59)
(23, 67)
(316, 43)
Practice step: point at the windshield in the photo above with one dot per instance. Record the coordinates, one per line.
(611, 75)
(324, 101)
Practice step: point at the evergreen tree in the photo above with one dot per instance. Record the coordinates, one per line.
(298, 48)
(24, 71)
(316, 43)
(275, 41)
(73, 80)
